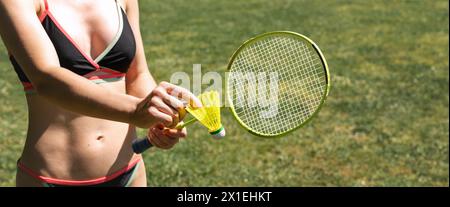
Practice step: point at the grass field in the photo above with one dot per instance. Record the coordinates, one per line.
(386, 121)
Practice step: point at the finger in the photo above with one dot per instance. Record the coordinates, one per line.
(184, 132)
(159, 126)
(176, 104)
(163, 107)
(160, 116)
(171, 138)
(159, 139)
(182, 93)
(175, 114)
(164, 139)
(175, 133)
(172, 101)
(153, 138)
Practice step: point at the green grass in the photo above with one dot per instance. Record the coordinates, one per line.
(386, 121)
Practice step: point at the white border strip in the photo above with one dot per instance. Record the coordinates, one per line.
(116, 38)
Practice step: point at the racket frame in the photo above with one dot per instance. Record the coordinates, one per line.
(279, 33)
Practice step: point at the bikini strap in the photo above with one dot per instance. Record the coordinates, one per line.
(45, 12)
(120, 7)
(46, 5)
(117, 3)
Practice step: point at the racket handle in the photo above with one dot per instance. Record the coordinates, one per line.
(141, 145)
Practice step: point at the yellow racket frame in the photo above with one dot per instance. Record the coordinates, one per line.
(279, 33)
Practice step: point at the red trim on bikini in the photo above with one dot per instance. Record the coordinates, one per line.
(49, 14)
(78, 182)
(27, 86)
(112, 74)
(107, 76)
(72, 41)
(46, 5)
(44, 13)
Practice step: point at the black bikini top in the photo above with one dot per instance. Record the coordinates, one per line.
(110, 65)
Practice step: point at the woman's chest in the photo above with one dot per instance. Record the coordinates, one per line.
(92, 25)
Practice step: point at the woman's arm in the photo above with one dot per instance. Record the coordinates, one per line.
(28, 42)
(139, 82)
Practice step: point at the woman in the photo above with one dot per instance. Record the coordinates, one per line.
(87, 86)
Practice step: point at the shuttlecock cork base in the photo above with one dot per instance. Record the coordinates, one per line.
(218, 134)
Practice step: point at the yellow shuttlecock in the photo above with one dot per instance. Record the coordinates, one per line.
(209, 114)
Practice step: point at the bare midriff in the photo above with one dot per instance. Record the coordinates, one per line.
(64, 145)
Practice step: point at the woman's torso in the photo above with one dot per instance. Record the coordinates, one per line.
(66, 145)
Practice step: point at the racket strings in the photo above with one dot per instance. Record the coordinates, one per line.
(300, 84)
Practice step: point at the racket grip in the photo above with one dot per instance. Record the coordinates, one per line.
(141, 145)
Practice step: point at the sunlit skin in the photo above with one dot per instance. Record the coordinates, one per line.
(79, 130)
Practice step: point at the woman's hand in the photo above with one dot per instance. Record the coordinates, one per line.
(163, 106)
(165, 138)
